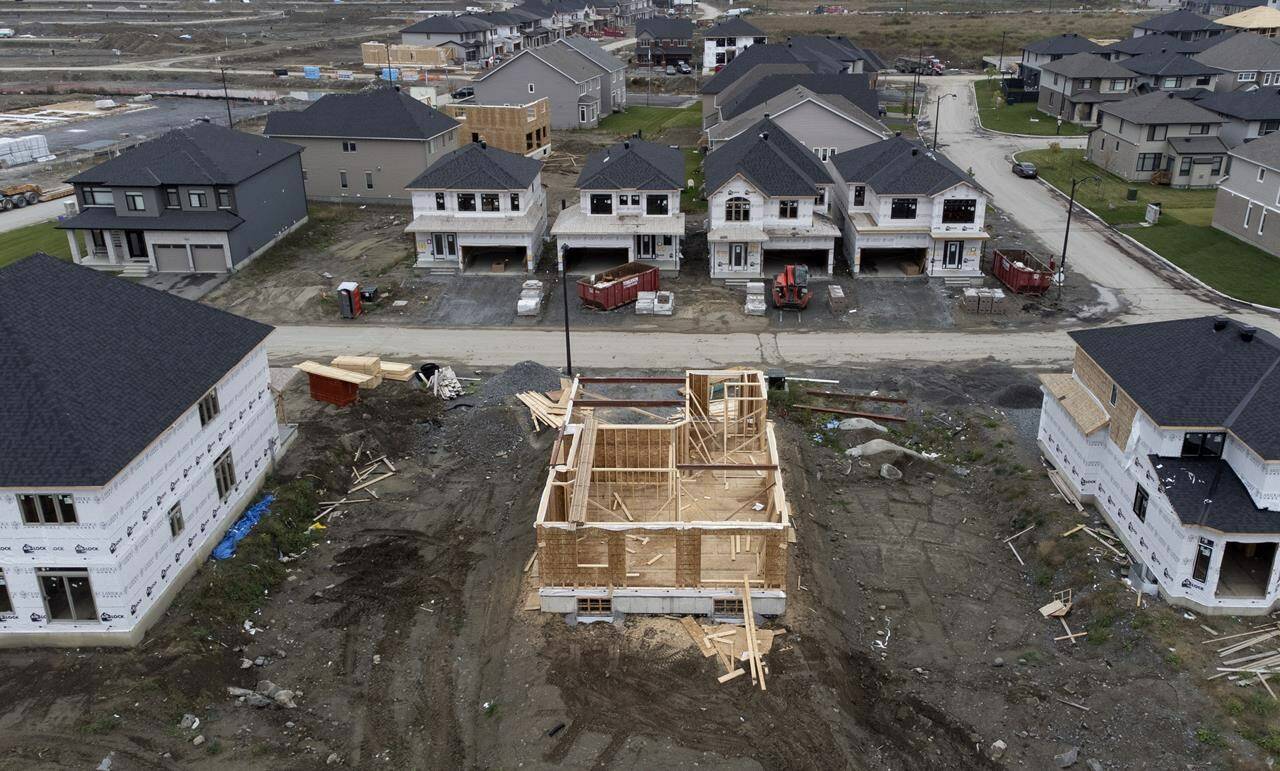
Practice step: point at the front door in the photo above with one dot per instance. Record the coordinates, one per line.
(737, 256)
(136, 244)
(444, 246)
(952, 254)
(646, 247)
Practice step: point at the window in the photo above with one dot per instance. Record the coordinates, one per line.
(439, 201)
(1185, 168)
(224, 474)
(466, 201)
(1157, 133)
(1117, 84)
(601, 203)
(176, 522)
(515, 202)
(1203, 80)
(348, 146)
(635, 199)
(6, 605)
(304, 175)
(622, 200)
(368, 180)
(959, 211)
(1262, 221)
(209, 408)
(902, 209)
(1216, 169)
(727, 606)
(657, 205)
(98, 196)
(528, 141)
(171, 199)
(46, 509)
(531, 89)
(135, 202)
(788, 209)
(1248, 214)
(820, 200)
(595, 606)
(757, 40)
(1115, 394)
(1173, 82)
(1204, 555)
(1246, 77)
(1149, 161)
(1085, 84)
(1199, 129)
(1268, 127)
(737, 209)
(67, 594)
(859, 195)
(489, 202)
(1140, 498)
(1262, 173)
(1203, 444)
(342, 180)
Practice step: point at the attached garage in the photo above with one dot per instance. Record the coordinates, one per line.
(171, 258)
(210, 258)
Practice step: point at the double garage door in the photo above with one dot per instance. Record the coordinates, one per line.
(207, 258)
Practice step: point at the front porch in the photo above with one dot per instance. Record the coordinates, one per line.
(114, 250)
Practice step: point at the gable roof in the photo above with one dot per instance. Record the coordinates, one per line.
(442, 24)
(561, 58)
(633, 164)
(384, 113)
(593, 51)
(856, 88)
(733, 26)
(789, 99)
(768, 157)
(1086, 65)
(1180, 20)
(665, 27)
(1187, 373)
(1264, 151)
(200, 154)
(807, 53)
(477, 166)
(1167, 63)
(1259, 104)
(1242, 52)
(96, 367)
(1062, 45)
(1159, 107)
(1149, 44)
(900, 166)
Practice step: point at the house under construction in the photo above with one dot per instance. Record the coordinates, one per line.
(646, 512)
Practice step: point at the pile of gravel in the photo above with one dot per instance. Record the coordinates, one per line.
(524, 376)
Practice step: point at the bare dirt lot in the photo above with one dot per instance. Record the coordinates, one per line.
(912, 639)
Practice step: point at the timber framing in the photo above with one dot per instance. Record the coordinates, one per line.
(679, 509)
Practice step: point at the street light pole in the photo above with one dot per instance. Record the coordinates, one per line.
(937, 117)
(1000, 66)
(1066, 234)
(564, 286)
(916, 82)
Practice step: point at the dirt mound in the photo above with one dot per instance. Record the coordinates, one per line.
(1019, 396)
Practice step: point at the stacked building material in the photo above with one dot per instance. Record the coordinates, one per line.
(836, 299)
(15, 151)
(530, 302)
(664, 303)
(755, 305)
(985, 301)
(365, 365)
(645, 302)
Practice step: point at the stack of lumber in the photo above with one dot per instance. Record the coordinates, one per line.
(394, 370)
(444, 383)
(365, 365)
(1249, 657)
(334, 373)
(545, 410)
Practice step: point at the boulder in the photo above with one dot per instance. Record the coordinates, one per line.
(861, 424)
(882, 450)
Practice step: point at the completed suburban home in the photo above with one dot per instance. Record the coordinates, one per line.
(661, 41)
(1037, 54)
(1170, 430)
(364, 147)
(768, 196)
(1182, 24)
(579, 89)
(726, 39)
(469, 38)
(628, 210)
(140, 425)
(750, 93)
(1126, 48)
(1246, 115)
(826, 124)
(1073, 87)
(904, 209)
(1246, 61)
(1250, 193)
(613, 87)
(478, 208)
(200, 199)
(1161, 137)
(1170, 71)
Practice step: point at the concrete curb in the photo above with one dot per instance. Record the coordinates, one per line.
(1149, 251)
(981, 127)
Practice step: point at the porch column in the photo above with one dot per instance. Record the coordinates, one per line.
(111, 248)
(86, 239)
(75, 248)
(831, 261)
(857, 260)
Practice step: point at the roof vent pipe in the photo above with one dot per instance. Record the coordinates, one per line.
(484, 145)
(1219, 323)
(626, 145)
(1247, 333)
(915, 151)
(764, 136)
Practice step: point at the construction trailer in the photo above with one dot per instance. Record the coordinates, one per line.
(665, 513)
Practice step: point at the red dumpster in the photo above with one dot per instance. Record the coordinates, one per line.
(1022, 271)
(617, 286)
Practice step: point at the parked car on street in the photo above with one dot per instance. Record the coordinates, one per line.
(684, 68)
(1024, 169)
(671, 69)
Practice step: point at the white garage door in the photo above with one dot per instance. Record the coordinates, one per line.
(171, 258)
(209, 258)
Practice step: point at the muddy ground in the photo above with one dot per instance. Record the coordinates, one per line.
(912, 639)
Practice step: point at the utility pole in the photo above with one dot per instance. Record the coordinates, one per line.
(915, 84)
(226, 98)
(1000, 66)
(937, 118)
(1066, 234)
(564, 286)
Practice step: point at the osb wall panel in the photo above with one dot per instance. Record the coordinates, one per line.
(617, 558)
(775, 560)
(1099, 382)
(688, 557)
(557, 555)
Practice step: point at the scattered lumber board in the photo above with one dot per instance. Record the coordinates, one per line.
(696, 634)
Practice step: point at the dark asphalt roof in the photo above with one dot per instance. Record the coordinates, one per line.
(1161, 107)
(595, 52)
(899, 166)
(664, 27)
(1207, 492)
(98, 218)
(449, 25)
(1197, 145)
(1186, 373)
(1242, 52)
(633, 165)
(809, 53)
(1178, 21)
(1149, 44)
(733, 26)
(201, 154)
(855, 88)
(384, 113)
(1087, 65)
(1262, 104)
(1167, 63)
(476, 167)
(1263, 150)
(1063, 45)
(96, 367)
(778, 165)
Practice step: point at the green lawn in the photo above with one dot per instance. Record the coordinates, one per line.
(1183, 236)
(652, 120)
(16, 244)
(1020, 118)
(690, 197)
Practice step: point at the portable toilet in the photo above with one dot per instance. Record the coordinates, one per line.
(349, 299)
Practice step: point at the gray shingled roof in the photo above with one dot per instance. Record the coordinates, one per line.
(811, 53)
(1242, 52)
(105, 218)
(1086, 65)
(1150, 44)
(449, 25)
(1263, 150)
(561, 57)
(1186, 373)
(1207, 492)
(664, 27)
(1160, 107)
(633, 165)
(1178, 21)
(593, 51)
(96, 367)
(853, 87)
(201, 154)
(477, 166)
(384, 113)
(899, 166)
(786, 100)
(733, 26)
(1167, 64)
(777, 165)
(1063, 45)
(1261, 104)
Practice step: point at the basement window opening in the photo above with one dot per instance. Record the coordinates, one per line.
(726, 606)
(595, 606)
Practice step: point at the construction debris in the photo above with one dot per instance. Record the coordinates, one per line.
(545, 410)
(443, 383)
(1259, 666)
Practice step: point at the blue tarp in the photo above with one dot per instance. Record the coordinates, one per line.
(226, 548)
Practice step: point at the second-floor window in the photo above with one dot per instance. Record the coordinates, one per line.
(1203, 444)
(737, 209)
(47, 509)
(198, 199)
(98, 196)
(902, 209)
(439, 201)
(224, 199)
(1140, 498)
(1117, 84)
(1199, 128)
(959, 211)
(209, 407)
(171, 198)
(176, 521)
(135, 202)
(788, 209)
(657, 204)
(515, 202)
(348, 146)
(224, 474)
(859, 195)
(466, 201)
(1157, 133)
(601, 203)
(489, 202)
(1172, 82)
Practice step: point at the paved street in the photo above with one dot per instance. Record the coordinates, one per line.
(30, 215)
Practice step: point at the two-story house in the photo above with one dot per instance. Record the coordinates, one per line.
(1170, 71)
(626, 13)
(1246, 115)
(904, 209)
(1073, 87)
(576, 86)
(471, 38)
(1246, 61)
(140, 425)
(825, 123)
(1170, 431)
(364, 147)
(628, 210)
(768, 196)
(726, 39)
(661, 40)
(478, 208)
(1182, 24)
(613, 84)
(200, 199)
(1159, 135)
(534, 25)
(1038, 53)
(1248, 202)
(1128, 47)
